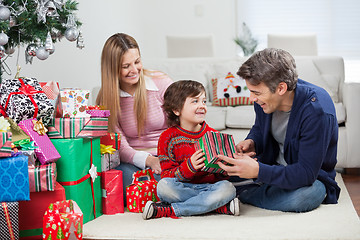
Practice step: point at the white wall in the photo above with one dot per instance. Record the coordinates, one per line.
(149, 21)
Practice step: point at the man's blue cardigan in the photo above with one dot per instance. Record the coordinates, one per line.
(310, 146)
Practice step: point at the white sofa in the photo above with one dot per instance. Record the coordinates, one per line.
(327, 72)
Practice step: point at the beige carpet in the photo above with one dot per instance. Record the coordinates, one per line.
(327, 222)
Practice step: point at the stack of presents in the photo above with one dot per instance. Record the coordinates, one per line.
(57, 162)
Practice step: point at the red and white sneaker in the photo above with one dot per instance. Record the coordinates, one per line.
(157, 210)
(231, 208)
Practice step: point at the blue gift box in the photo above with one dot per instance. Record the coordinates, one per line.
(14, 179)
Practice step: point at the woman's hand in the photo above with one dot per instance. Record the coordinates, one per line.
(153, 163)
(197, 159)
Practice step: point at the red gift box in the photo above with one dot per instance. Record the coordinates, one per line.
(63, 220)
(139, 192)
(31, 212)
(113, 139)
(113, 195)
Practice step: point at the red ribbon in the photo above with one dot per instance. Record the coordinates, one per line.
(8, 220)
(27, 90)
(87, 176)
(2, 112)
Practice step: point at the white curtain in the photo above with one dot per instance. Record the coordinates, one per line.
(335, 22)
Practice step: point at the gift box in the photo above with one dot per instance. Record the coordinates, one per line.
(139, 192)
(63, 220)
(46, 152)
(14, 179)
(74, 102)
(213, 144)
(110, 158)
(98, 113)
(9, 226)
(17, 134)
(78, 171)
(112, 189)
(113, 139)
(52, 91)
(5, 144)
(42, 177)
(23, 99)
(31, 212)
(77, 127)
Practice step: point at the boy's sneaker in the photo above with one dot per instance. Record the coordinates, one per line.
(231, 208)
(157, 210)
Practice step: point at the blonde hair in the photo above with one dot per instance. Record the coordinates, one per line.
(109, 95)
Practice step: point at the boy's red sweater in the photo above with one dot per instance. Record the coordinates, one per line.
(175, 148)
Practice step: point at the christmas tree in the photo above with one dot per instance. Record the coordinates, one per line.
(36, 25)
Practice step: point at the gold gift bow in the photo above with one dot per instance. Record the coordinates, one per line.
(106, 149)
(39, 127)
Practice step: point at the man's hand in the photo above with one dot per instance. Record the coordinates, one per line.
(246, 147)
(197, 159)
(153, 163)
(242, 166)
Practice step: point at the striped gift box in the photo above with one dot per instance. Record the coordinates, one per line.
(5, 144)
(77, 127)
(213, 144)
(42, 177)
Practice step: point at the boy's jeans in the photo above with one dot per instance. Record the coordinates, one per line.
(274, 198)
(193, 199)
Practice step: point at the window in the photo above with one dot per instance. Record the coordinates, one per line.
(336, 23)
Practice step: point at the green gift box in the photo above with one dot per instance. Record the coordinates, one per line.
(78, 171)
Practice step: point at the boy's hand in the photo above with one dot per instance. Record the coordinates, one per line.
(197, 159)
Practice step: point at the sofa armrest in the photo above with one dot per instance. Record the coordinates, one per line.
(351, 96)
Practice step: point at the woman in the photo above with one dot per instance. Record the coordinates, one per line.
(134, 97)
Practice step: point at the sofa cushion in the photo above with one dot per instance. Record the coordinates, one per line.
(340, 112)
(240, 116)
(309, 72)
(230, 90)
(215, 117)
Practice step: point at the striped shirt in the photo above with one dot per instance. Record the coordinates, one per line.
(155, 124)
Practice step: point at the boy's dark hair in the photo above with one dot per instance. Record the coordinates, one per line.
(175, 96)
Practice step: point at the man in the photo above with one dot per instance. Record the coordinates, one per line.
(291, 149)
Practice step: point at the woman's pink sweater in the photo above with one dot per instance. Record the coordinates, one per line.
(135, 149)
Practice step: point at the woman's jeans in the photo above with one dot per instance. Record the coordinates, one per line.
(127, 171)
(193, 199)
(274, 198)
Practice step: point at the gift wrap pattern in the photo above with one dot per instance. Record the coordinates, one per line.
(213, 144)
(9, 225)
(77, 127)
(63, 220)
(14, 179)
(5, 144)
(46, 152)
(23, 98)
(113, 139)
(74, 102)
(140, 192)
(78, 171)
(42, 177)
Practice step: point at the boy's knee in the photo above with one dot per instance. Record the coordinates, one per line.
(165, 189)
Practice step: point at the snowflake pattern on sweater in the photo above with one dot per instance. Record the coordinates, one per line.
(175, 148)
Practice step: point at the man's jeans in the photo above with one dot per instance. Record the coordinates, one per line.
(189, 199)
(274, 198)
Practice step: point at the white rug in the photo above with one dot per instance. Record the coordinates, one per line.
(328, 222)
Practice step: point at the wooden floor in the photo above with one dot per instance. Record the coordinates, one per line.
(352, 182)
